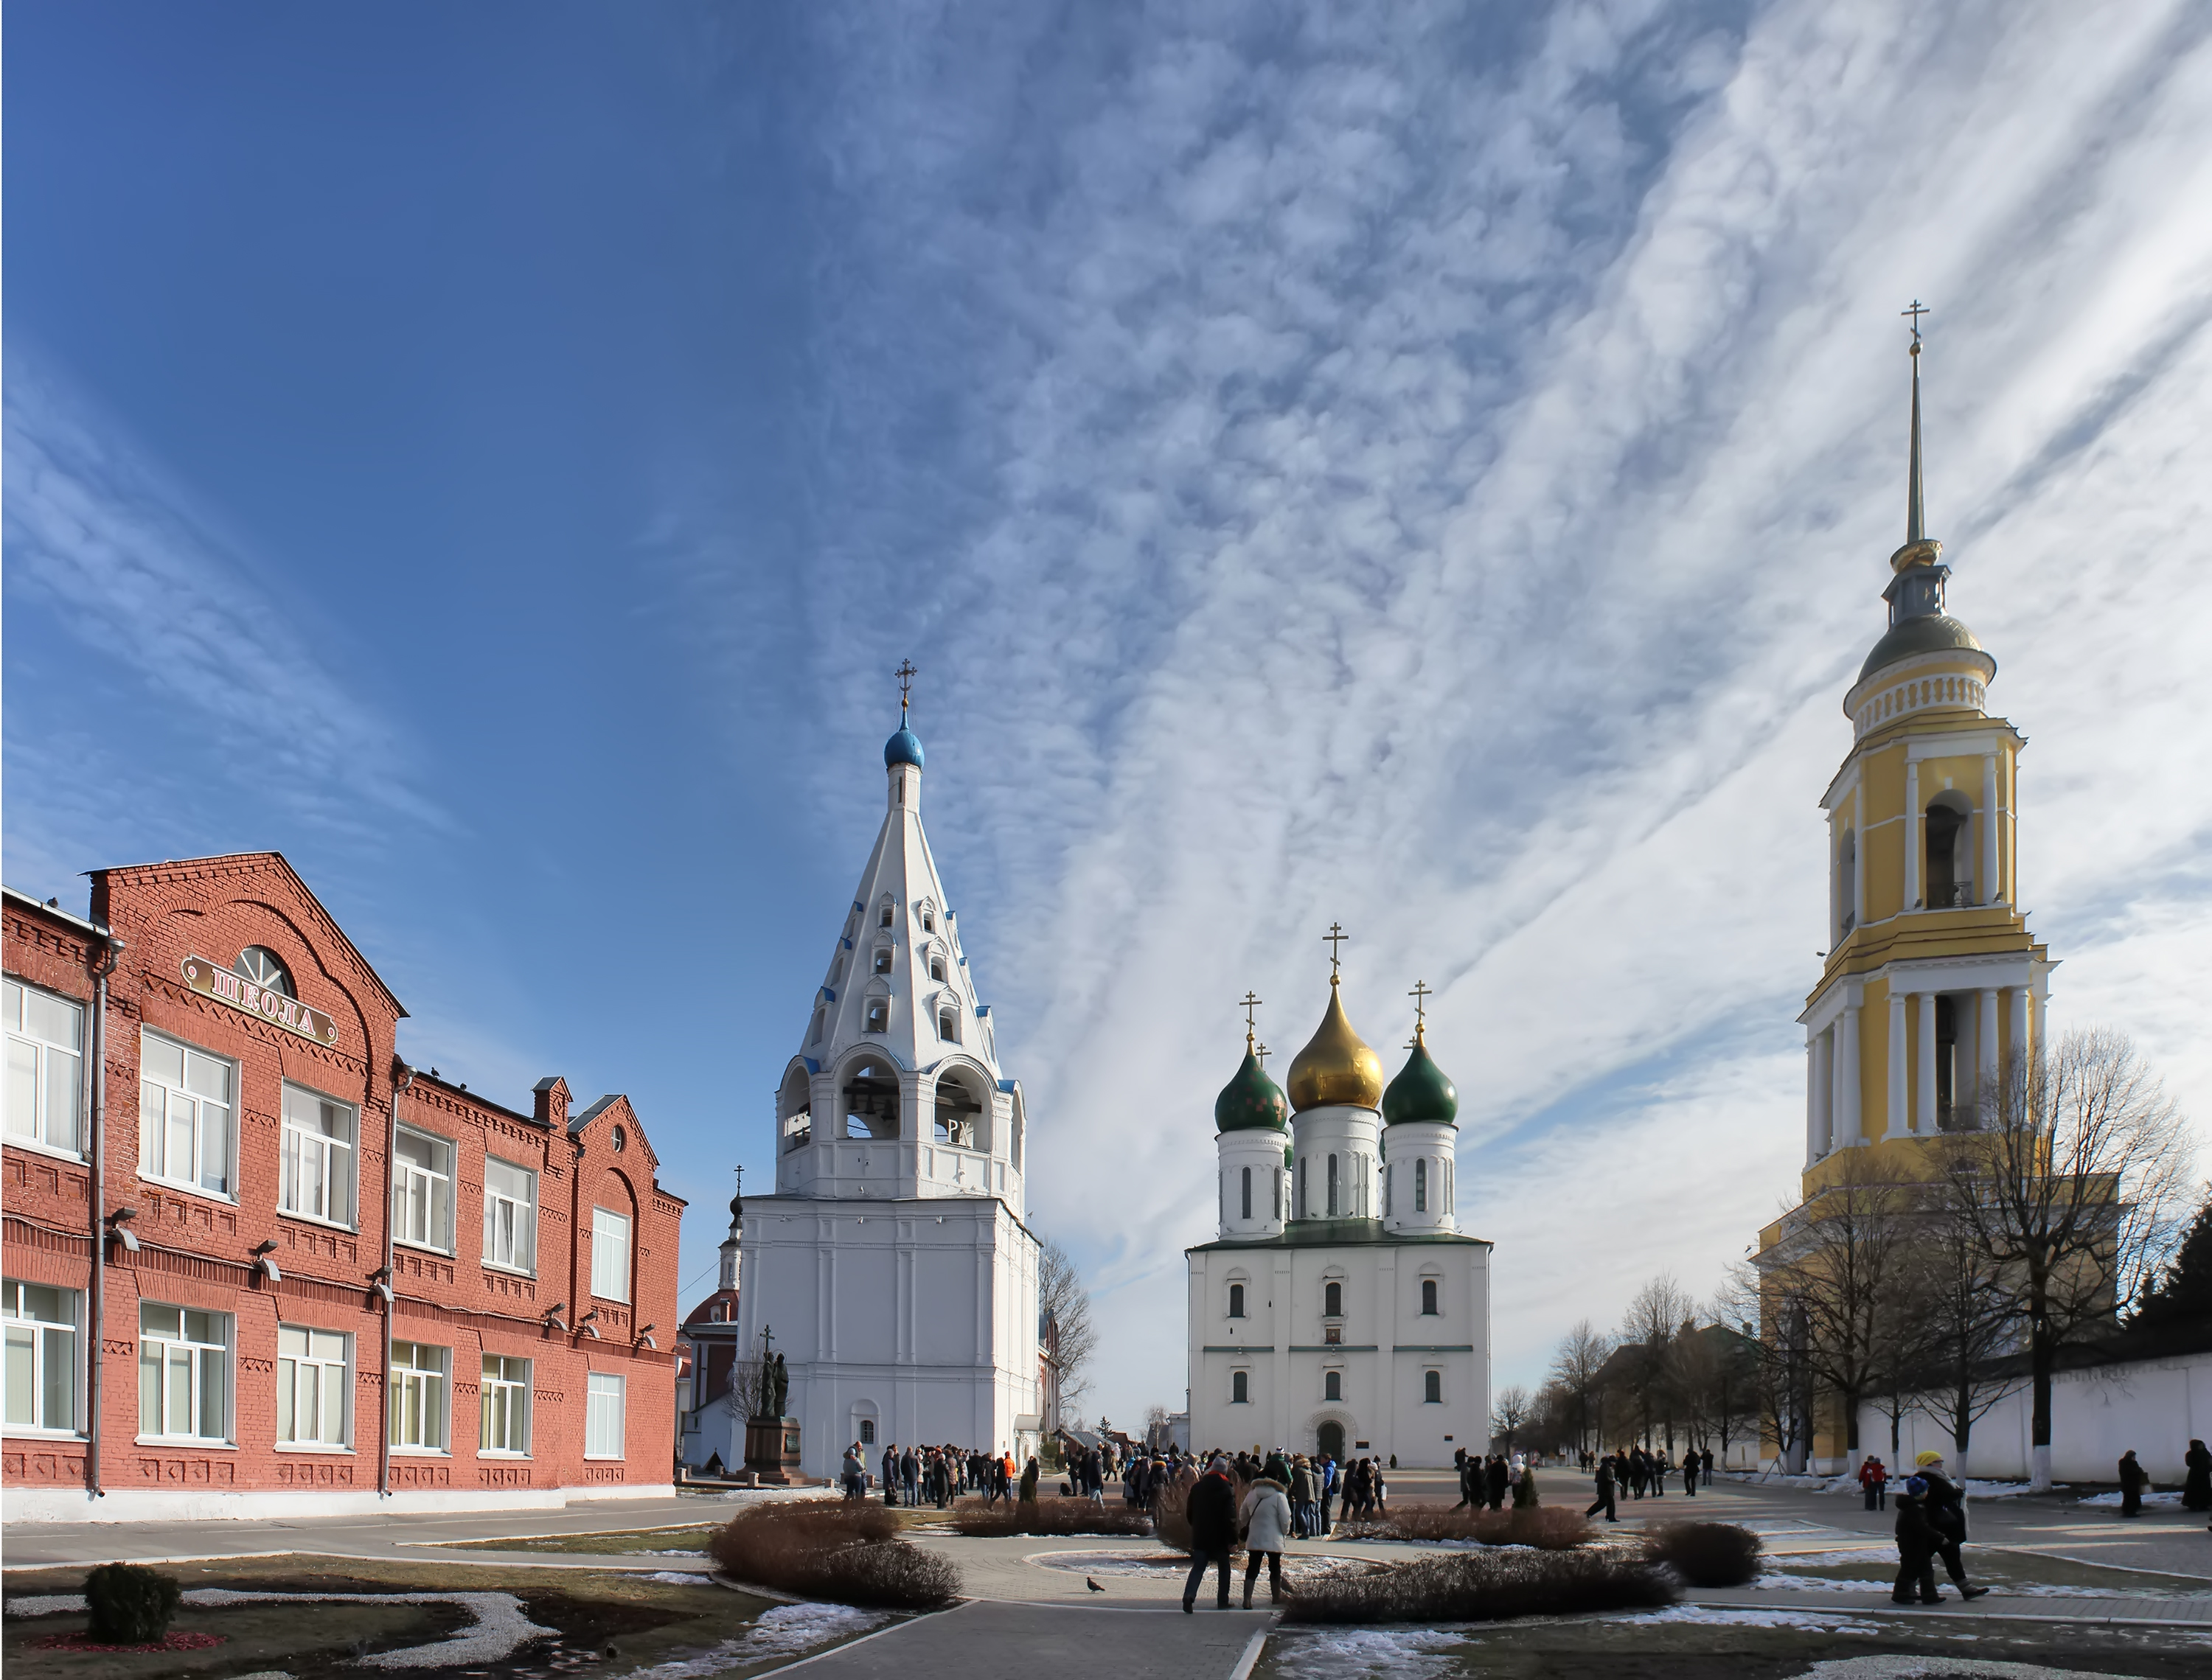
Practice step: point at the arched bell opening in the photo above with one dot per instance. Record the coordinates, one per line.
(871, 1100)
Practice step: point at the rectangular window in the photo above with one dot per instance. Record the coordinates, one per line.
(46, 1067)
(610, 1255)
(184, 1115)
(419, 1395)
(602, 1416)
(1432, 1388)
(510, 1215)
(41, 1331)
(311, 1387)
(505, 1405)
(318, 1161)
(1239, 1390)
(183, 1372)
(1248, 1193)
(422, 1191)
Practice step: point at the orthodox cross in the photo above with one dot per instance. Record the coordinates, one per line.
(1420, 995)
(1918, 310)
(1262, 1053)
(1334, 939)
(1250, 1003)
(906, 673)
(768, 1341)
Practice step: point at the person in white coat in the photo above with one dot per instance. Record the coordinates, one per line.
(1264, 1516)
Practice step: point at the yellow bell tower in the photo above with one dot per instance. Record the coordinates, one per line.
(1931, 978)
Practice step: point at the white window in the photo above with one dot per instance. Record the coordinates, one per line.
(45, 1064)
(504, 1405)
(510, 1215)
(422, 1191)
(311, 1387)
(419, 1396)
(184, 1115)
(318, 1157)
(183, 1372)
(610, 1255)
(602, 1416)
(41, 1327)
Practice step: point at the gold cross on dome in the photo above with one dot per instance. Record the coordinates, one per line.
(1334, 939)
(906, 673)
(1420, 994)
(1250, 1001)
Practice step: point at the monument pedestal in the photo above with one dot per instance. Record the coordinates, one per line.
(772, 1449)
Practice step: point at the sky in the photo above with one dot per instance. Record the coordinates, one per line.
(1426, 467)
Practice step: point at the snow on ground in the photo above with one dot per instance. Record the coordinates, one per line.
(1819, 1622)
(784, 1631)
(1836, 1560)
(1775, 1580)
(2110, 1501)
(1364, 1654)
(1913, 1667)
(676, 1578)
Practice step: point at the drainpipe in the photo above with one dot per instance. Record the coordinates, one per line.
(111, 954)
(401, 1077)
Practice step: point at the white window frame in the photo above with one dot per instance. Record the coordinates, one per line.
(314, 1366)
(407, 1179)
(337, 1161)
(196, 1355)
(32, 1055)
(521, 1226)
(609, 1248)
(425, 1392)
(504, 1397)
(604, 1425)
(41, 1350)
(173, 1099)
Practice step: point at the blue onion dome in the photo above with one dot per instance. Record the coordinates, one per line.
(1251, 1102)
(904, 748)
(1420, 1092)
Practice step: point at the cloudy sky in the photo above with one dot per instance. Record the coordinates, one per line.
(1424, 466)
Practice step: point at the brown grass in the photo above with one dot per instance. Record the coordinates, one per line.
(1545, 1528)
(1704, 1554)
(1048, 1516)
(1486, 1586)
(846, 1553)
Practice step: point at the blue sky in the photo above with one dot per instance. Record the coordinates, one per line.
(1424, 466)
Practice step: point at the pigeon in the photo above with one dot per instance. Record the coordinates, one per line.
(1092, 1585)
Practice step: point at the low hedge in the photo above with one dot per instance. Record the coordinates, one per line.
(1486, 1586)
(846, 1553)
(1704, 1554)
(1048, 1516)
(1545, 1528)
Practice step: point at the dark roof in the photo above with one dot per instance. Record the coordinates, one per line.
(478, 1097)
(577, 1122)
(1339, 1233)
(1930, 633)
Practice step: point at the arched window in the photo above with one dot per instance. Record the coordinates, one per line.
(1240, 1392)
(1279, 1193)
(1421, 1186)
(948, 1024)
(877, 1017)
(1247, 1213)
(958, 1113)
(1332, 1384)
(814, 1033)
(883, 959)
(1332, 1299)
(1950, 825)
(1428, 1296)
(1236, 1300)
(794, 1104)
(871, 1101)
(867, 1432)
(1389, 1192)
(262, 966)
(1947, 1063)
(1332, 1187)
(928, 919)
(886, 921)
(1432, 1388)
(936, 965)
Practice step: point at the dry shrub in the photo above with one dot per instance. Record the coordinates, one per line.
(1049, 1516)
(1486, 1586)
(1545, 1528)
(1704, 1554)
(846, 1553)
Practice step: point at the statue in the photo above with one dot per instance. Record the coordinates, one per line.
(779, 1387)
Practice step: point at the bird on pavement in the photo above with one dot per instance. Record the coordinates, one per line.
(1092, 1585)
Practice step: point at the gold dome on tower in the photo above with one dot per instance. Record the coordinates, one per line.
(1336, 1066)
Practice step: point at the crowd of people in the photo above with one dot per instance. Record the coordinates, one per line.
(1641, 1471)
(936, 1474)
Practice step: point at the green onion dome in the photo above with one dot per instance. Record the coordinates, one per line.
(1420, 1092)
(1251, 1102)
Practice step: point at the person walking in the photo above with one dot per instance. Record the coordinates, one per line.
(851, 1475)
(1946, 1503)
(1874, 1476)
(1266, 1519)
(2131, 1484)
(2196, 1479)
(890, 1468)
(1917, 1543)
(1301, 1492)
(1327, 1469)
(1494, 1481)
(1607, 1489)
(1211, 1510)
(1690, 1474)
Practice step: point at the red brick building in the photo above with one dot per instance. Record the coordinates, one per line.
(313, 1275)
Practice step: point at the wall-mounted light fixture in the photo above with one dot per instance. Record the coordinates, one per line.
(645, 1337)
(119, 1229)
(380, 1281)
(263, 1264)
(553, 1316)
(586, 1324)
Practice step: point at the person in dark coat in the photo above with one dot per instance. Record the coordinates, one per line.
(1917, 1543)
(1946, 1506)
(1705, 1461)
(1690, 1474)
(1212, 1509)
(2196, 1485)
(2132, 1478)
(1029, 1483)
(1495, 1477)
(1608, 1491)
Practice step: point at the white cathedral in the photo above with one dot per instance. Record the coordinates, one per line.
(892, 1265)
(1339, 1310)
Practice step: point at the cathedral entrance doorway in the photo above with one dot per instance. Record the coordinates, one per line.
(1329, 1439)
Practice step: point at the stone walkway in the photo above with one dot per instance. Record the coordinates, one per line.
(991, 1640)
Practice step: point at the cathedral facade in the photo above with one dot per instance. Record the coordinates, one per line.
(892, 1267)
(1339, 1309)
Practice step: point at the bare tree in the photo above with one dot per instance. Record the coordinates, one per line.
(1581, 1354)
(1773, 1340)
(1955, 1307)
(1062, 1299)
(1655, 1315)
(2071, 1185)
(1508, 1413)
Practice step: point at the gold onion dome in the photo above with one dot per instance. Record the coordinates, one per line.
(1336, 1068)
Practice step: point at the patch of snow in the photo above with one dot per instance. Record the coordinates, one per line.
(784, 1631)
(676, 1578)
(1834, 1560)
(2110, 1501)
(1776, 1580)
(1915, 1667)
(1364, 1654)
(499, 1629)
(44, 1604)
(1711, 1616)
